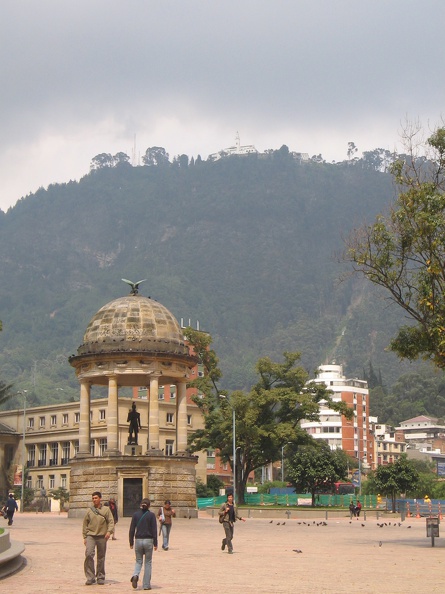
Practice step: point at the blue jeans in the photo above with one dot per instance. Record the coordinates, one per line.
(143, 546)
(165, 534)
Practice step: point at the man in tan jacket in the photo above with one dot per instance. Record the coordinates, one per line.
(98, 526)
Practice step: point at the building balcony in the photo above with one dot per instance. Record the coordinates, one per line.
(42, 463)
(64, 461)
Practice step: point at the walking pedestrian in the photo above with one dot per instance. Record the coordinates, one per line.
(351, 510)
(98, 526)
(228, 514)
(113, 508)
(143, 536)
(165, 515)
(11, 507)
(358, 509)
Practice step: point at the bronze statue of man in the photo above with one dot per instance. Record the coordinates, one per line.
(134, 418)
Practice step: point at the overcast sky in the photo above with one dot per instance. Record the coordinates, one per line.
(83, 77)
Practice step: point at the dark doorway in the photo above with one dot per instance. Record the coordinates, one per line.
(132, 495)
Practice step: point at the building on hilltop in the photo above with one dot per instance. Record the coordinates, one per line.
(239, 150)
(355, 437)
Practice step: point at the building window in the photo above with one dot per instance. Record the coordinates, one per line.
(92, 447)
(169, 417)
(169, 444)
(161, 393)
(29, 481)
(52, 481)
(102, 446)
(172, 392)
(41, 421)
(65, 419)
(31, 455)
(63, 481)
(210, 453)
(189, 419)
(91, 416)
(53, 420)
(77, 417)
(65, 452)
(31, 423)
(42, 455)
(54, 454)
(76, 447)
(39, 483)
(102, 414)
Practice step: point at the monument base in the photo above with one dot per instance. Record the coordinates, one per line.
(131, 477)
(133, 450)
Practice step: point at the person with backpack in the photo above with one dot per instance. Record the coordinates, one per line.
(144, 537)
(228, 514)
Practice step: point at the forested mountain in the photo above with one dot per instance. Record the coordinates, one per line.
(249, 246)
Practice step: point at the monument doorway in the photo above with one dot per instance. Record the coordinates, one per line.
(132, 495)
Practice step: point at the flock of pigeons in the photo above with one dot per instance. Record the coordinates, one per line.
(381, 525)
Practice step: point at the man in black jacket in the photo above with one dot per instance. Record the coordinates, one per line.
(143, 530)
(11, 507)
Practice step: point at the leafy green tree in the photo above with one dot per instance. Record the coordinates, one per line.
(214, 484)
(121, 159)
(61, 495)
(155, 156)
(5, 392)
(399, 477)
(266, 418)
(404, 252)
(352, 150)
(101, 161)
(28, 495)
(267, 485)
(316, 467)
(202, 490)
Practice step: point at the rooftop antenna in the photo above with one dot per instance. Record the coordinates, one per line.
(133, 156)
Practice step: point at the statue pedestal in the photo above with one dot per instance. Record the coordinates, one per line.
(133, 450)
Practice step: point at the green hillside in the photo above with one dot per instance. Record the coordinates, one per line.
(248, 246)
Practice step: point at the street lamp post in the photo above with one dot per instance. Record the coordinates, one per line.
(234, 453)
(22, 499)
(233, 445)
(282, 460)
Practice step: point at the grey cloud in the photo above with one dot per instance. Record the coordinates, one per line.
(292, 65)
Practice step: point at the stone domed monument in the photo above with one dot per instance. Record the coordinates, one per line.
(133, 341)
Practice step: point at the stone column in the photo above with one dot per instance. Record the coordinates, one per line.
(153, 420)
(181, 418)
(112, 421)
(84, 425)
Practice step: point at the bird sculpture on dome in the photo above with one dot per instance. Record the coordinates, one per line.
(134, 286)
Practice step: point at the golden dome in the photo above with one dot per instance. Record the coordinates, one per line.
(133, 323)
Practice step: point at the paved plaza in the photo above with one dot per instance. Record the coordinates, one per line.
(339, 557)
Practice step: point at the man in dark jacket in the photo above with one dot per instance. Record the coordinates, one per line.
(11, 507)
(143, 535)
